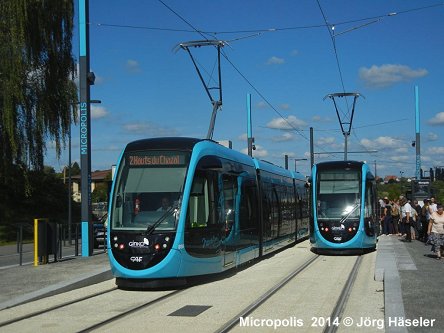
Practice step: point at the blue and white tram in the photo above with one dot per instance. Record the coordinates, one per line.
(183, 207)
(343, 208)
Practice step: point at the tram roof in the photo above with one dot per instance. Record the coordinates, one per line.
(166, 143)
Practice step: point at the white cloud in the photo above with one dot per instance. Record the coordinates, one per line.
(435, 150)
(325, 141)
(294, 53)
(283, 138)
(133, 66)
(291, 122)
(243, 137)
(321, 119)
(275, 61)
(261, 105)
(438, 119)
(403, 158)
(98, 112)
(389, 74)
(148, 129)
(432, 136)
(285, 106)
(381, 142)
(403, 150)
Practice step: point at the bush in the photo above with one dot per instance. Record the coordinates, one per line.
(38, 194)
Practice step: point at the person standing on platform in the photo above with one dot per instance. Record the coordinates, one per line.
(425, 218)
(432, 205)
(436, 231)
(417, 227)
(387, 218)
(406, 218)
(395, 217)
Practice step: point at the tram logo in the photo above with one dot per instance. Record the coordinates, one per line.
(337, 239)
(136, 259)
(334, 228)
(145, 243)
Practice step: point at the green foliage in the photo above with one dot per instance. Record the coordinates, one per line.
(438, 190)
(100, 193)
(37, 88)
(47, 197)
(75, 169)
(392, 190)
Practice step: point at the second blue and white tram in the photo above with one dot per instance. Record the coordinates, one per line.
(344, 216)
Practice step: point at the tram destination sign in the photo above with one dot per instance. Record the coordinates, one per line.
(156, 159)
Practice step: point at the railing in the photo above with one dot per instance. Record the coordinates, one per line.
(58, 238)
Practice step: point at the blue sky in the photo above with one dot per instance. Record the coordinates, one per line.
(149, 90)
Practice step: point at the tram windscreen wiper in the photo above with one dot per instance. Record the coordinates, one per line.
(350, 212)
(168, 212)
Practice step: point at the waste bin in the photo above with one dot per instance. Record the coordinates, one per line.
(45, 240)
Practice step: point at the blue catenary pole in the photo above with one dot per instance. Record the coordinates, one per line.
(85, 126)
(249, 129)
(418, 137)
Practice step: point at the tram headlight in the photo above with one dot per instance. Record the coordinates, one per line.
(167, 239)
(157, 247)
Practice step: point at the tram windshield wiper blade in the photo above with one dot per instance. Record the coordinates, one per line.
(168, 212)
(350, 212)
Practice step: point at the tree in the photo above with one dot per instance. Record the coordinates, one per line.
(37, 89)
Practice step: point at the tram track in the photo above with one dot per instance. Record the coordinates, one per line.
(130, 311)
(65, 306)
(320, 289)
(55, 307)
(336, 315)
(264, 297)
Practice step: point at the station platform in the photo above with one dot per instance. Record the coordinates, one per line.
(413, 288)
(25, 283)
(413, 285)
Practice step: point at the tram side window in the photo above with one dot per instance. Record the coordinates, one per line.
(369, 200)
(202, 207)
(229, 193)
(248, 207)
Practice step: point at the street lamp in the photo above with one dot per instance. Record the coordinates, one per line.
(402, 184)
(298, 159)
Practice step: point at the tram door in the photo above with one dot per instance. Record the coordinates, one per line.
(230, 217)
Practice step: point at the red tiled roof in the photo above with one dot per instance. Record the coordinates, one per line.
(96, 175)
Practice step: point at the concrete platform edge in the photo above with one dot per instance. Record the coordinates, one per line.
(386, 270)
(79, 282)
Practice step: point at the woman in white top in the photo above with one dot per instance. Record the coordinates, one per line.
(436, 230)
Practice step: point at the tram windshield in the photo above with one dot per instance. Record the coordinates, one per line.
(338, 194)
(147, 191)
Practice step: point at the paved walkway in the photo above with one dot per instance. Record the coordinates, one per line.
(19, 284)
(413, 285)
(413, 282)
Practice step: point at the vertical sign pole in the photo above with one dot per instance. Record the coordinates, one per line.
(249, 130)
(311, 148)
(418, 142)
(85, 126)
